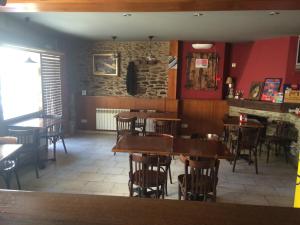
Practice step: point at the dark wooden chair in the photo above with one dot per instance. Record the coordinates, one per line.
(125, 126)
(162, 126)
(146, 176)
(55, 133)
(140, 123)
(31, 146)
(9, 166)
(199, 180)
(248, 139)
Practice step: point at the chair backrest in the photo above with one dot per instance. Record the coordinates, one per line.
(26, 137)
(203, 174)
(248, 137)
(283, 129)
(125, 124)
(140, 165)
(165, 127)
(57, 127)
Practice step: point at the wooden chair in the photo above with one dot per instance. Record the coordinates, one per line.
(146, 174)
(281, 139)
(125, 126)
(55, 133)
(248, 139)
(165, 127)
(9, 166)
(31, 146)
(165, 161)
(140, 123)
(199, 180)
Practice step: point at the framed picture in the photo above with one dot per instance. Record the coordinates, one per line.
(105, 64)
(255, 90)
(271, 88)
(298, 55)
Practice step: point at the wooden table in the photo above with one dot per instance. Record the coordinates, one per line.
(169, 146)
(35, 123)
(38, 208)
(235, 121)
(6, 150)
(150, 115)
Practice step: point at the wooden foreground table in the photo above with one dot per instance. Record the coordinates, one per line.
(169, 146)
(7, 150)
(37, 208)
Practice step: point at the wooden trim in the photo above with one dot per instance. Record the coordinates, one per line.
(146, 5)
(86, 107)
(262, 105)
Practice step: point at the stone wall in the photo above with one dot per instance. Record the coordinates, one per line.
(151, 79)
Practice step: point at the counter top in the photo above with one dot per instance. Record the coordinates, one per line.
(38, 208)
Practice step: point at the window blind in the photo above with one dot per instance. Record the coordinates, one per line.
(51, 71)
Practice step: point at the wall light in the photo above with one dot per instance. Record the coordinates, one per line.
(202, 46)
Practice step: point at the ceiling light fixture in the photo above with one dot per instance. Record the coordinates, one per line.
(197, 14)
(274, 13)
(151, 59)
(127, 14)
(202, 46)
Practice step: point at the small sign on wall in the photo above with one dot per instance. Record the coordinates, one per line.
(201, 63)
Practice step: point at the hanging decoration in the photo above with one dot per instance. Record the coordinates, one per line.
(150, 58)
(201, 71)
(131, 82)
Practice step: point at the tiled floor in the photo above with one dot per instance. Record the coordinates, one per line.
(91, 168)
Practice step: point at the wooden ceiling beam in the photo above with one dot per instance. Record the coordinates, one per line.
(146, 5)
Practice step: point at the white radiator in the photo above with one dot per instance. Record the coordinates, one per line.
(105, 118)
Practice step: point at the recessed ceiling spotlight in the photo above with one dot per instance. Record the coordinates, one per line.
(197, 14)
(127, 14)
(273, 13)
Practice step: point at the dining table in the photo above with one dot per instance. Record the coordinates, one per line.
(164, 145)
(35, 123)
(234, 121)
(45, 208)
(150, 115)
(7, 150)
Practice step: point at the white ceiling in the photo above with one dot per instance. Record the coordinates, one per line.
(228, 26)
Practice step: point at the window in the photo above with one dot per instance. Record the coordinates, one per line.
(20, 82)
(30, 82)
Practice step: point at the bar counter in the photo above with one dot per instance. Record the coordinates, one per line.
(38, 208)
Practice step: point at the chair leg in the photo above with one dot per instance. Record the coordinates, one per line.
(268, 151)
(7, 180)
(170, 174)
(17, 179)
(37, 163)
(235, 159)
(54, 150)
(255, 159)
(179, 192)
(63, 141)
(163, 191)
(285, 149)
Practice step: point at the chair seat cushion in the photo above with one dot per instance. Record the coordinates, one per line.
(150, 178)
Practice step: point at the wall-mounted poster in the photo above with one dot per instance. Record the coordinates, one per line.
(201, 63)
(105, 64)
(271, 88)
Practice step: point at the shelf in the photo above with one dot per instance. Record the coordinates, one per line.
(263, 105)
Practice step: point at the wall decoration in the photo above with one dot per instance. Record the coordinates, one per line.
(105, 64)
(256, 90)
(298, 55)
(291, 93)
(271, 88)
(172, 62)
(131, 84)
(201, 71)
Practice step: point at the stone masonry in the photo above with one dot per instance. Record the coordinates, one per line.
(151, 79)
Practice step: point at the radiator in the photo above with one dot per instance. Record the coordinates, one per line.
(105, 118)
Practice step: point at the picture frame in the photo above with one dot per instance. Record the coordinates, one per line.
(298, 55)
(256, 90)
(270, 89)
(105, 64)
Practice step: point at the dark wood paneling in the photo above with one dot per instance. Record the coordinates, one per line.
(146, 5)
(203, 116)
(86, 106)
(262, 105)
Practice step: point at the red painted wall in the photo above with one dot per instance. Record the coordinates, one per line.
(218, 47)
(293, 75)
(259, 60)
